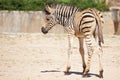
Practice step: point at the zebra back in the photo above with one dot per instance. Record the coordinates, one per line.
(97, 15)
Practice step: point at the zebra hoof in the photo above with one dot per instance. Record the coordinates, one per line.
(84, 67)
(101, 74)
(85, 73)
(67, 70)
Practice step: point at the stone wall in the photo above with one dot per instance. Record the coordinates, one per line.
(20, 21)
(108, 26)
(31, 22)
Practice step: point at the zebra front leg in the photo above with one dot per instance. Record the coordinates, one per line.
(90, 49)
(81, 50)
(70, 41)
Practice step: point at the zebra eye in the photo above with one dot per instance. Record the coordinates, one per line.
(47, 19)
(101, 16)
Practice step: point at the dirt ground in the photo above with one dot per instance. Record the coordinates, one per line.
(43, 57)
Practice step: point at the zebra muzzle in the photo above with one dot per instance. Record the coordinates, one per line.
(44, 30)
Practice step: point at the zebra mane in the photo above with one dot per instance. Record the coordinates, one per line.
(63, 12)
(51, 4)
(54, 6)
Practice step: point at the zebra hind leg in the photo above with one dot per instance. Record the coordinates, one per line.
(89, 44)
(87, 69)
(91, 50)
(100, 63)
(98, 50)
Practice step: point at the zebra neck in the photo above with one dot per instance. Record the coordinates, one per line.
(65, 13)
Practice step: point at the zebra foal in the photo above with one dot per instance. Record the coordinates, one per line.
(85, 25)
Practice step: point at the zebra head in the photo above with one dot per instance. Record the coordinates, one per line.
(50, 18)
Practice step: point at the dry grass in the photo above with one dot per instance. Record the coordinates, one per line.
(43, 57)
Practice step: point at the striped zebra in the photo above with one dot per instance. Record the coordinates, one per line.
(85, 25)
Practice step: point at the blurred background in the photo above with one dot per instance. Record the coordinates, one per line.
(25, 16)
(27, 54)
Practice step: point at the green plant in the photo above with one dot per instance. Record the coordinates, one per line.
(36, 5)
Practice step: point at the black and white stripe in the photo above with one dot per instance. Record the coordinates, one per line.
(65, 15)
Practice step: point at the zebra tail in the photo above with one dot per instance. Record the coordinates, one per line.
(100, 33)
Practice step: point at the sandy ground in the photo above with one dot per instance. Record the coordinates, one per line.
(43, 57)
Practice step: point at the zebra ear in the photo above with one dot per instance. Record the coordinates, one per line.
(48, 9)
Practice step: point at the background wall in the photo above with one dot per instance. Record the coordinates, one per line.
(32, 21)
(20, 21)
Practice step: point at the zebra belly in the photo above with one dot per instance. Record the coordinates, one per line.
(69, 30)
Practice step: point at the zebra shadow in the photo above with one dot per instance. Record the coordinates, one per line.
(80, 73)
(50, 71)
(70, 73)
